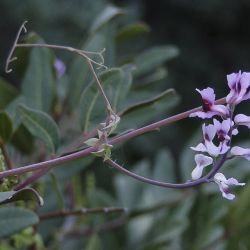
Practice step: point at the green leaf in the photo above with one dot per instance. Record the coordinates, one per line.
(94, 243)
(69, 169)
(23, 194)
(131, 31)
(79, 73)
(152, 58)
(122, 89)
(7, 93)
(12, 110)
(130, 191)
(100, 198)
(152, 80)
(38, 85)
(6, 128)
(57, 189)
(14, 219)
(92, 107)
(105, 16)
(23, 140)
(153, 196)
(142, 112)
(40, 125)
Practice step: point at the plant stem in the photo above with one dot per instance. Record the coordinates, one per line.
(48, 163)
(188, 184)
(82, 211)
(112, 141)
(82, 53)
(31, 179)
(158, 124)
(105, 227)
(107, 103)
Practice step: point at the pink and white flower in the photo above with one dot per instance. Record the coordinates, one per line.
(241, 119)
(201, 161)
(242, 152)
(224, 185)
(208, 146)
(208, 105)
(239, 84)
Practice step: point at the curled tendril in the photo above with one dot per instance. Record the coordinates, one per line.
(11, 59)
(85, 54)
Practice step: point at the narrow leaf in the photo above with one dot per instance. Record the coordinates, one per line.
(57, 189)
(14, 219)
(148, 110)
(23, 140)
(79, 72)
(40, 125)
(92, 107)
(23, 194)
(122, 89)
(153, 58)
(7, 93)
(131, 31)
(38, 85)
(6, 127)
(148, 102)
(106, 15)
(11, 109)
(151, 81)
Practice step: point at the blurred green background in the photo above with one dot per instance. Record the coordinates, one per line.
(212, 38)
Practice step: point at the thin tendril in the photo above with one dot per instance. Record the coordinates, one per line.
(82, 53)
(11, 59)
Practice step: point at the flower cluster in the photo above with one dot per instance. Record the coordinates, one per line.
(216, 147)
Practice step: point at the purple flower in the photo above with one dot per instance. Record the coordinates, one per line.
(201, 161)
(208, 106)
(239, 84)
(241, 119)
(224, 185)
(60, 67)
(239, 151)
(223, 129)
(208, 146)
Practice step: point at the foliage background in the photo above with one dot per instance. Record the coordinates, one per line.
(213, 39)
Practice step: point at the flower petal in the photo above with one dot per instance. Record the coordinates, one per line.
(207, 94)
(228, 196)
(200, 147)
(220, 110)
(224, 184)
(235, 131)
(239, 85)
(203, 160)
(202, 115)
(232, 79)
(234, 182)
(219, 178)
(239, 151)
(208, 132)
(197, 172)
(242, 119)
(212, 149)
(60, 67)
